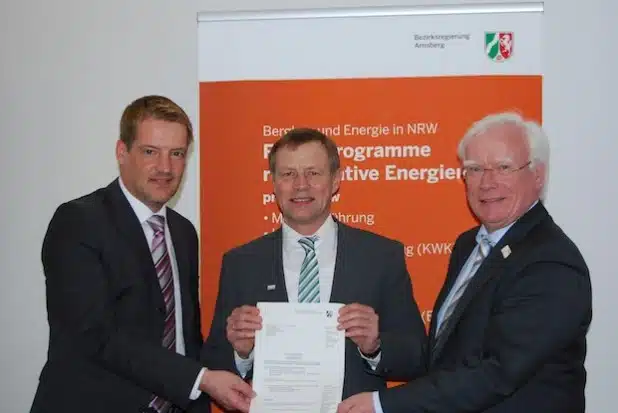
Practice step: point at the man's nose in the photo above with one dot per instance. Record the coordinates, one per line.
(164, 163)
(488, 178)
(301, 181)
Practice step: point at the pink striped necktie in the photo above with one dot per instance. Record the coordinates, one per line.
(163, 266)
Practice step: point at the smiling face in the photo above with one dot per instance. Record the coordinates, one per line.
(498, 200)
(304, 184)
(152, 167)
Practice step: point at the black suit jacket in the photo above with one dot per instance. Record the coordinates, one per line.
(106, 310)
(369, 269)
(516, 342)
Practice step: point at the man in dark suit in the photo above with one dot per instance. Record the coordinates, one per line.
(354, 267)
(509, 327)
(121, 274)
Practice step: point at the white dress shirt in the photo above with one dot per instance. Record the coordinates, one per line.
(143, 213)
(293, 256)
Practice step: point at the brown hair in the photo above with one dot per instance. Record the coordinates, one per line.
(151, 107)
(299, 136)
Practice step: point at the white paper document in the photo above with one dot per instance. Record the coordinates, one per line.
(299, 359)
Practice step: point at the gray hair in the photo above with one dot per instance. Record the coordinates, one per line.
(538, 142)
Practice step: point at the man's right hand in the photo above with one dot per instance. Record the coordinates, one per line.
(241, 327)
(227, 389)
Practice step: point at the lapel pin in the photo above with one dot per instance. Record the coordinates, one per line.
(270, 287)
(506, 251)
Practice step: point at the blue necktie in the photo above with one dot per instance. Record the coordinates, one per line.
(481, 253)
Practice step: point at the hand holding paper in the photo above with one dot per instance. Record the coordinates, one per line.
(360, 323)
(241, 327)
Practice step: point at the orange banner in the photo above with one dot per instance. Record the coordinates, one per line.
(397, 139)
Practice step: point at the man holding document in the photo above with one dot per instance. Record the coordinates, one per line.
(314, 259)
(299, 358)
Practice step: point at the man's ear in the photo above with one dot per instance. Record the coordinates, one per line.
(540, 175)
(336, 181)
(121, 152)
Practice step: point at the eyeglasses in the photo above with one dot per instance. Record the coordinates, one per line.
(502, 170)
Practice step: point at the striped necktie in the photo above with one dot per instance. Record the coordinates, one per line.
(163, 266)
(484, 246)
(309, 280)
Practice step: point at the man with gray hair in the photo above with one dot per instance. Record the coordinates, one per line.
(510, 323)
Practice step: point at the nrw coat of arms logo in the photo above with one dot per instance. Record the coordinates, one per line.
(499, 45)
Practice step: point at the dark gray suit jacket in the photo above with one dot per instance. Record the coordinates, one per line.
(369, 269)
(106, 312)
(516, 341)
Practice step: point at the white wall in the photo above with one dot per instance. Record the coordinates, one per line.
(69, 67)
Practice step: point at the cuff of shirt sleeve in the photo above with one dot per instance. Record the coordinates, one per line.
(373, 362)
(377, 406)
(196, 392)
(243, 365)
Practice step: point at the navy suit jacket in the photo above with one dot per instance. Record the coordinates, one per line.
(517, 338)
(106, 311)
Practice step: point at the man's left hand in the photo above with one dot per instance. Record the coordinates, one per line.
(360, 323)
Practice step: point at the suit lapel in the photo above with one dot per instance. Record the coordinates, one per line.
(275, 284)
(342, 277)
(488, 268)
(460, 253)
(492, 266)
(130, 229)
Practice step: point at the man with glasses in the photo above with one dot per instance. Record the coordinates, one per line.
(510, 324)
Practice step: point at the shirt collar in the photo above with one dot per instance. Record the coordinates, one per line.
(140, 209)
(496, 236)
(326, 232)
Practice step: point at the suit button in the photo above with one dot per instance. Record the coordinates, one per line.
(161, 310)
